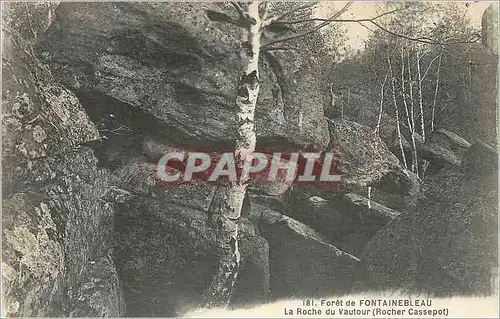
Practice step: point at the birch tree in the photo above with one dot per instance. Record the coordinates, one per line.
(254, 18)
(417, 39)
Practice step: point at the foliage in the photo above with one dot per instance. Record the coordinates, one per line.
(428, 44)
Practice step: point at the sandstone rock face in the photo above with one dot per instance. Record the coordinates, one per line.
(277, 203)
(172, 62)
(140, 178)
(56, 221)
(166, 257)
(401, 203)
(364, 160)
(101, 294)
(30, 21)
(165, 242)
(52, 119)
(321, 214)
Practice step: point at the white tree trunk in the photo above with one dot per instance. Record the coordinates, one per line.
(407, 111)
(412, 117)
(433, 118)
(377, 128)
(227, 212)
(420, 98)
(398, 125)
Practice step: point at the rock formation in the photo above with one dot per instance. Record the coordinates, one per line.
(95, 93)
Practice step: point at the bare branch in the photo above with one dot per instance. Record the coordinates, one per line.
(316, 28)
(422, 39)
(370, 20)
(280, 48)
(420, 57)
(358, 20)
(268, 21)
(425, 40)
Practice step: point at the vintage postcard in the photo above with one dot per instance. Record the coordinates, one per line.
(321, 159)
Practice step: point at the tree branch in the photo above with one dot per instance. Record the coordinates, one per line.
(358, 20)
(268, 21)
(422, 39)
(372, 20)
(316, 28)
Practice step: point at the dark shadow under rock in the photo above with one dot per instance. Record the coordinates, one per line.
(347, 220)
(302, 262)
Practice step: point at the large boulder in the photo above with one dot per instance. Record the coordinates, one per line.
(480, 159)
(401, 203)
(405, 139)
(56, 220)
(166, 258)
(172, 62)
(444, 148)
(277, 203)
(367, 216)
(364, 160)
(448, 247)
(302, 262)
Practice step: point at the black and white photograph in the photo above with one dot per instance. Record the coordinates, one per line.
(300, 159)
